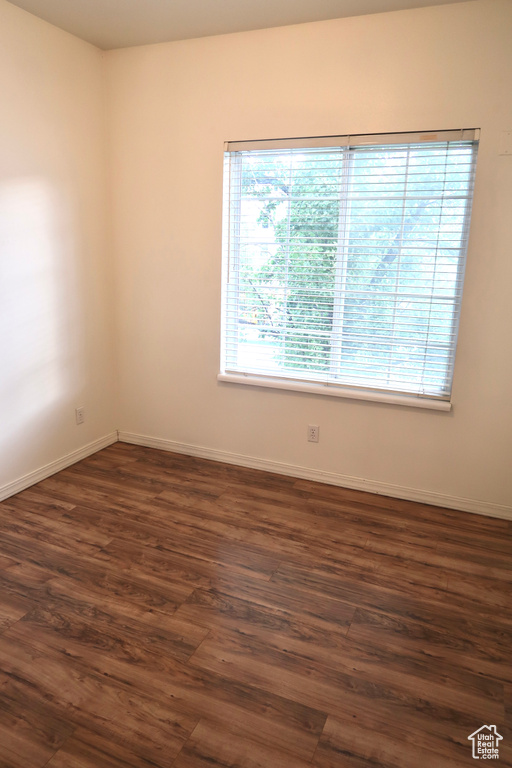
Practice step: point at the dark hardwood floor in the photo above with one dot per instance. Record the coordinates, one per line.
(161, 610)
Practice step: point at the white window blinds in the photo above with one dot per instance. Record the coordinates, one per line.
(344, 259)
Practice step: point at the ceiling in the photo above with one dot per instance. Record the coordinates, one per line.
(122, 23)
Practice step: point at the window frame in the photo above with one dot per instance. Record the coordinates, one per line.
(230, 264)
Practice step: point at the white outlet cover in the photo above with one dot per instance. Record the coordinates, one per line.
(313, 433)
(506, 143)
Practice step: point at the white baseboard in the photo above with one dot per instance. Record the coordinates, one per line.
(332, 478)
(55, 466)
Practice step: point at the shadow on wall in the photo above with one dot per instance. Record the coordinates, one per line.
(35, 318)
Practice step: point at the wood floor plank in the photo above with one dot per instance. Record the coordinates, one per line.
(37, 502)
(36, 526)
(338, 690)
(73, 490)
(466, 644)
(360, 746)
(211, 608)
(247, 600)
(151, 726)
(54, 557)
(443, 684)
(86, 749)
(133, 730)
(295, 518)
(409, 510)
(133, 593)
(184, 568)
(404, 597)
(25, 577)
(12, 609)
(29, 733)
(86, 671)
(211, 747)
(112, 633)
(291, 539)
(6, 562)
(449, 558)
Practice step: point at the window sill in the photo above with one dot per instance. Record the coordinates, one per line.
(315, 388)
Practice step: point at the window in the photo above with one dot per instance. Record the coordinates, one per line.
(344, 263)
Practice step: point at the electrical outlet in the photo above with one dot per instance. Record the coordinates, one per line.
(80, 415)
(313, 433)
(506, 143)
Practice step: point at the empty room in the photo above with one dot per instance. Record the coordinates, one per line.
(255, 383)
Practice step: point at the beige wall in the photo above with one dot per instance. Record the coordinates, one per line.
(56, 336)
(172, 107)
